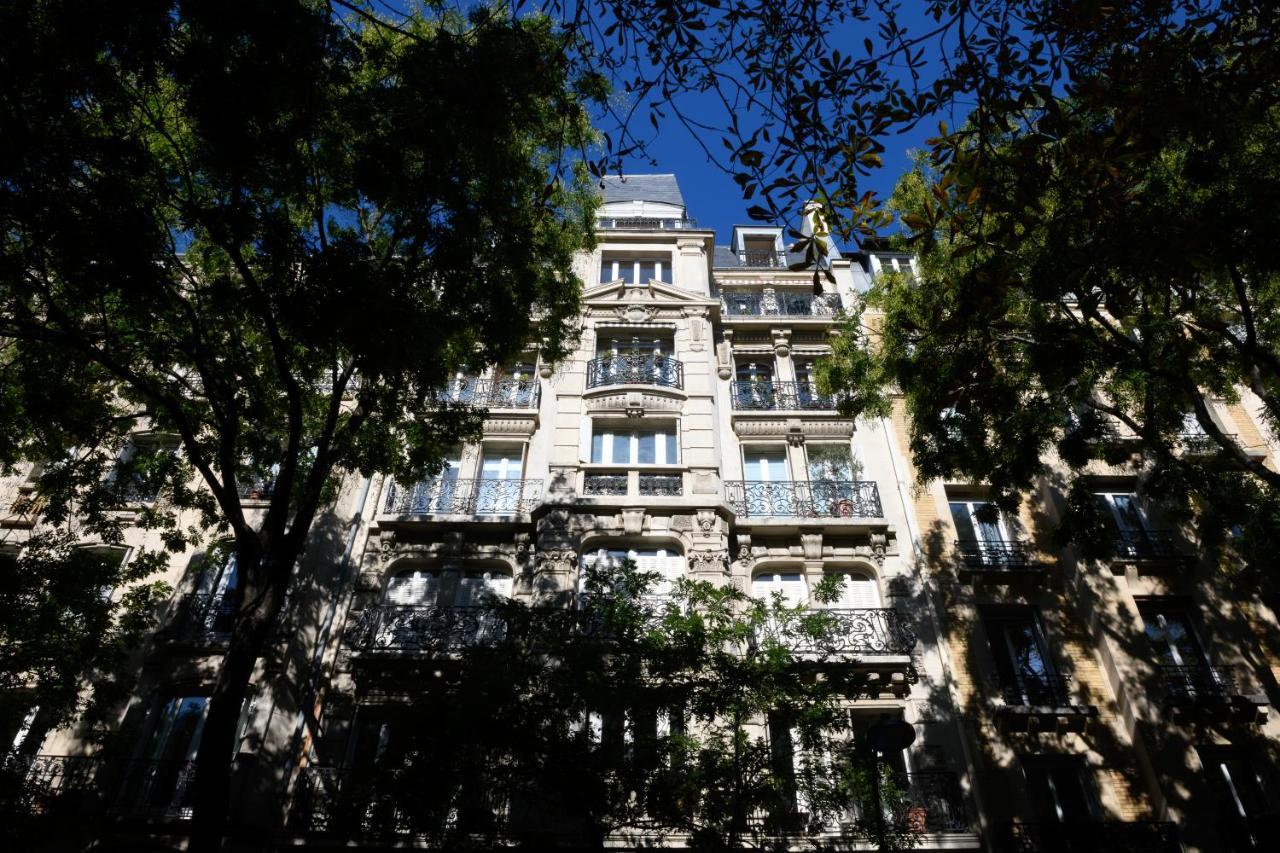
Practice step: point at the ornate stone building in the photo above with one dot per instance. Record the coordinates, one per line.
(688, 433)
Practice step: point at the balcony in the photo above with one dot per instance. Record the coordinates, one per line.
(1151, 549)
(768, 302)
(201, 620)
(779, 396)
(76, 787)
(635, 369)
(407, 629)
(762, 259)
(493, 393)
(804, 499)
(1095, 837)
(646, 223)
(932, 802)
(1042, 702)
(1202, 444)
(1210, 693)
(463, 497)
(864, 631)
(997, 559)
(619, 484)
(411, 802)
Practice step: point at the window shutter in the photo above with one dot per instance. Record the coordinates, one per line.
(859, 591)
(412, 589)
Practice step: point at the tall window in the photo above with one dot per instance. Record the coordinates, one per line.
(220, 587)
(1125, 516)
(791, 585)
(635, 270)
(765, 464)
(857, 591)
(1060, 788)
(832, 463)
(1247, 788)
(1022, 659)
(622, 446)
(162, 778)
(668, 566)
(499, 489)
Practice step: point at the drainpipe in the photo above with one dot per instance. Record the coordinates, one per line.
(944, 653)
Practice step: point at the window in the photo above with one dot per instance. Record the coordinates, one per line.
(633, 270)
(1246, 787)
(162, 778)
(423, 588)
(141, 468)
(790, 585)
(831, 463)
(218, 593)
(414, 588)
(438, 494)
(1060, 789)
(768, 490)
(1022, 660)
(668, 565)
(659, 346)
(620, 446)
(765, 465)
(1124, 515)
(858, 591)
(972, 527)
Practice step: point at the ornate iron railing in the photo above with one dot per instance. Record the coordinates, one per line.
(661, 485)
(1199, 682)
(1037, 689)
(771, 303)
(409, 801)
(257, 487)
(856, 631)
(1149, 546)
(442, 496)
(201, 618)
(767, 258)
(396, 628)
(604, 484)
(635, 369)
(505, 393)
(647, 223)
(1095, 836)
(777, 396)
(804, 499)
(931, 801)
(83, 785)
(995, 554)
(1201, 443)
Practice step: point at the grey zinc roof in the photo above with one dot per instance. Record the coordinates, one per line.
(659, 188)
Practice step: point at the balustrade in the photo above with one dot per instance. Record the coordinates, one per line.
(444, 496)
(779, 396)
(804, 499)
(635, 369)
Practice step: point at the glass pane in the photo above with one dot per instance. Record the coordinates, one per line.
(627, 271)
(648, 448)
(648, 270)
(1073, 799)
(1127, 512)
(597, 447)
(606, 271)
(965, 531)
(673, 455)
(621, 448)
(989, 531)
(771, 466)
(1028, 657)
(664, 274)
(830, 462)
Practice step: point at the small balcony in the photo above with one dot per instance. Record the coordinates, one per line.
(932, 802)
(804, 499)
(463, 497)
(768, 302)
(412, 803)
(1210, 693)
(1042, 702)
(779, 396)
(390, 628)
(762, 259)
(620, 484)
(635, 369)
(859, 631)
(1151, 550)
(493, 393)
(78, 787)
(1095, 836)
(997, 559)
(202, 620)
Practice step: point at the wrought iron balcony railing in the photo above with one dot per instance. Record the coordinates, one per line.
(1149, 546)
(79, 786)
(771, 396)
(804, 499)
(493, 393)
(442, 496)
(1201, 443)
(635, 369)
(762, 258)
(604, 484)
(855, 631)
(1037, 689)
(661, 485)
(646, 223)
(257, 487)
(768, 302)
(995, 554)
(931, 801)
(385, 802)
(1199, 682)
(1095, 836)
(397, 628)
(202, 619)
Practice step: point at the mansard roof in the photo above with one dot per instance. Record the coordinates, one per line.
(658, 188)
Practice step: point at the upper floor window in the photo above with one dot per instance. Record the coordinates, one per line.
(140, 470)
(1060, 788)
(831, 463)
(666, 565)
(623, 446)
(790, 585)
(978, 522)
(634, 270)
(1022, 660)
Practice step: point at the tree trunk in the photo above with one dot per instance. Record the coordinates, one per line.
(261, 603)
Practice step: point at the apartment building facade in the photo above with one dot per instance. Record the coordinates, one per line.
(1055, 704)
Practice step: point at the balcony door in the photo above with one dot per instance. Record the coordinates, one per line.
(768, 487)
(857, 592)
(981, 538)
(218, 593)
(1022, 660)
(413, 588)
(161, 780)
(667, 566)
(1123, 513)
(832, 479)
(1179, 655)
(498, 491)
(1060, 789)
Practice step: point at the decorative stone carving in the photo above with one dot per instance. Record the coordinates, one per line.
(708, 522)
(811, 543)
(545, 371)
(879, 545)
(633, 401)
(387, 541)
(369, 581)
(809, 428)
(633, 520)
(782, 342)
(557, 560)
(709, 562)
(511, 426)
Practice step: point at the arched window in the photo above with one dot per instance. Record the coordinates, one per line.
(479, 587)
(413, 588)
(791, 584)
(858, 591)
(669, 565)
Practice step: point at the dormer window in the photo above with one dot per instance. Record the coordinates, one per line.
(631, 269)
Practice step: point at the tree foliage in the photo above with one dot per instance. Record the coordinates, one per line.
(1098, 262)
(266, 240)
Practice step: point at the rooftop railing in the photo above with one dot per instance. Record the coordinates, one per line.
(635, 369)
(443, 496)
(770, 396)
(804, 498)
